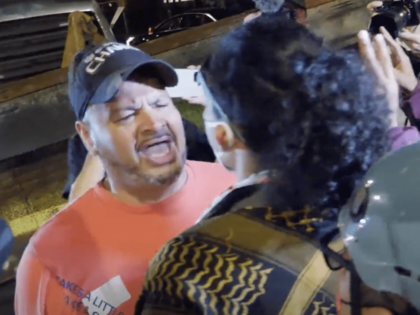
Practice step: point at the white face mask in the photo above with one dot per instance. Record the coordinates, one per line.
(227, 159)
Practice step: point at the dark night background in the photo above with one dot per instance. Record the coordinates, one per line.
(139, 15)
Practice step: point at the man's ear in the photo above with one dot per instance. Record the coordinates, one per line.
(84, 132)
(226, 139)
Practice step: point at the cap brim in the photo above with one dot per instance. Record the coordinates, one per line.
(163, 70)
(110, 86)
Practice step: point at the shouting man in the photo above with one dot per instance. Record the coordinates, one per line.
(85, 260)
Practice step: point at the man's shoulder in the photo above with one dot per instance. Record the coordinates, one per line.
(63, 224)
(211, 171)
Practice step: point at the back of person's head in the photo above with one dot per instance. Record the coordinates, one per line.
(314, 115)
(269, 6)
(380, 227)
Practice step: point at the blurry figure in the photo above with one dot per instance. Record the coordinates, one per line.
(412, 39)
(92, 256)
(388, 74)
(81, 30)
(403, 69)
(301, 126)
(379, 190)
(252, 16)
(394, 16)
(269, 6)
(281, 8)
(380, 227)
(6, 243)
(76, 157)
(379, 63)
(408, 38)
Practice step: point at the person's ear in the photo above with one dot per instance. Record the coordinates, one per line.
(83, 130)
(226, 139)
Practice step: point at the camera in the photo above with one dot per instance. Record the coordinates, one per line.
(395, 15)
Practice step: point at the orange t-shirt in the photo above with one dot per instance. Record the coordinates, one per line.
(91, 258)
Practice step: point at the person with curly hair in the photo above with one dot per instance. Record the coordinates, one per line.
(302, 124)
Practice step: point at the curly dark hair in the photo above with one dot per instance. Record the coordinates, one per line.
(315, 115)
(269, 5)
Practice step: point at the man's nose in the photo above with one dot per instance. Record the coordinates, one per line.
(150, 119)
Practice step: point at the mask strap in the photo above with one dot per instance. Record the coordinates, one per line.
(199, 78)
(355, 293)
(361, 297)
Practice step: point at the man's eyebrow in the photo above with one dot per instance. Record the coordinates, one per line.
(156, 97)
(125, 108)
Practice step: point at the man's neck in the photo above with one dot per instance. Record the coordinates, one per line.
(140, 192)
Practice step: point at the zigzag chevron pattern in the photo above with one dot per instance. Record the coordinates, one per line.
(207, 276)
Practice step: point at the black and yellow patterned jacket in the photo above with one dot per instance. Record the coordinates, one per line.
(244, 259)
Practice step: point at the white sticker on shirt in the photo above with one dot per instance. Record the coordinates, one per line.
(107, 297)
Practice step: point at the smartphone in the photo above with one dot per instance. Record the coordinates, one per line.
(187, 87)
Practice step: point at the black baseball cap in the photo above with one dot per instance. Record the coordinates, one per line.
(97, 73)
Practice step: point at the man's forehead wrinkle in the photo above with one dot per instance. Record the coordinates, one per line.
(140, 91)
(146, 81)
(154, 96)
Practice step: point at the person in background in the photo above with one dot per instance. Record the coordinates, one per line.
(301, 139)
(92, 256)
(410, 87)
(279, 8)
(404, 63)
(366, 219)
(6, 243)
(282, 8)
(408, 38)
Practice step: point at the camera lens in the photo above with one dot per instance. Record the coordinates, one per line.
(394, 20)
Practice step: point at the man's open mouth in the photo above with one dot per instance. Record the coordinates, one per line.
(157, 148)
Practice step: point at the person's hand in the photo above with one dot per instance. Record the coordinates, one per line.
(372, 6)
(378, 60)
(403, 69)
(252, 16)
(409, 40)
(196, 100)
(412, 40)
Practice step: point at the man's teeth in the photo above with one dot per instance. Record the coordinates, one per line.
(158, 150)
